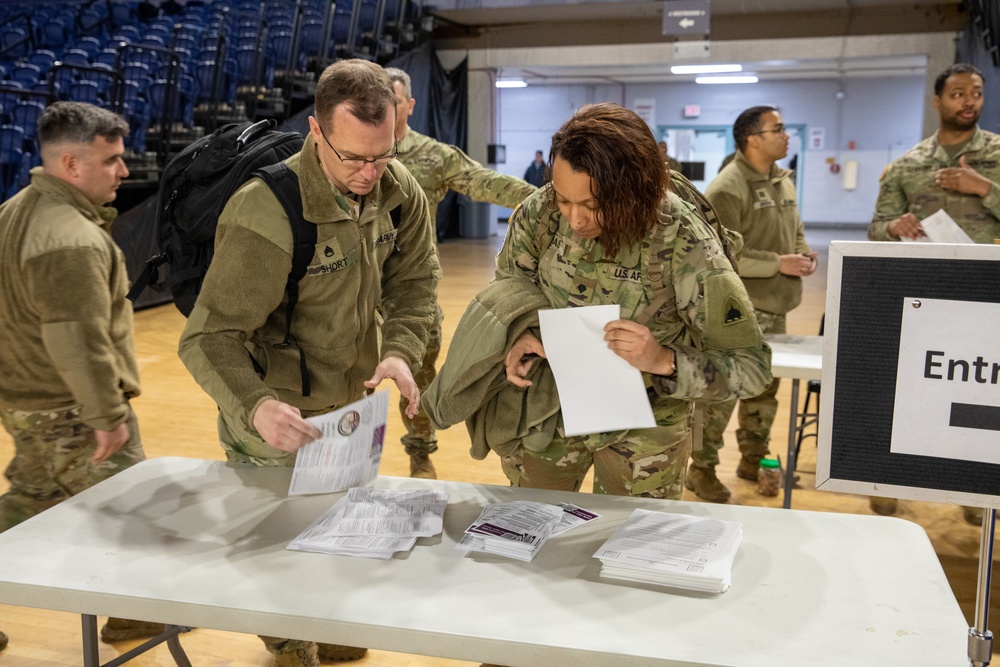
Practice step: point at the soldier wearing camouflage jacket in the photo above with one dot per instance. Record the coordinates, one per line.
(439, 167)
(957, 169)
(686, 320)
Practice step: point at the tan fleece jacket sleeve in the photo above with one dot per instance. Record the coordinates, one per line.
(244, 284)
(71, 292)
(409, 279)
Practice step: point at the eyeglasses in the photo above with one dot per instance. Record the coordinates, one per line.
(359, 162)
(778, 129)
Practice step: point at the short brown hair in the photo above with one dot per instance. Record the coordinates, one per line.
(78, 122)
(363, 86)
(617, 150)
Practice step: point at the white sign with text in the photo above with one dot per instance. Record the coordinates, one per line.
(947, 401)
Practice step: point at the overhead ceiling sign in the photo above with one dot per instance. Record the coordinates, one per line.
(686, 17)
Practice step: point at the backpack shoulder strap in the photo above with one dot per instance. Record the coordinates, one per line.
(284, 183)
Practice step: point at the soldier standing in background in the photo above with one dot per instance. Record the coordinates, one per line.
(535, 173)
(439, 167)
(755, 197)
(67, 354)
(958, 170)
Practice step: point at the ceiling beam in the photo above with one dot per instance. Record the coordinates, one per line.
(877, 20)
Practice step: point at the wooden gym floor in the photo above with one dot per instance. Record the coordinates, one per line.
(177, 419)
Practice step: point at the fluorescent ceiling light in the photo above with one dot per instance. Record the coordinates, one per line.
(511, 83)
(748, 78)
(704, 69)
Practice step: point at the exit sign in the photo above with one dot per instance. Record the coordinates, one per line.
(692, 110)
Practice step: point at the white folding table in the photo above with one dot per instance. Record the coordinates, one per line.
(202, 544)
(796, 358)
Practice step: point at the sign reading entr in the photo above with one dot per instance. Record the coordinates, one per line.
(947, 401)
(937, 367)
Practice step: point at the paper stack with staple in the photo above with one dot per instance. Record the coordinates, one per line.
(518, 529)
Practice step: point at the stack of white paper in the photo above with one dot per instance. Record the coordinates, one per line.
(374, 523)
(519, 528)
(672, 550)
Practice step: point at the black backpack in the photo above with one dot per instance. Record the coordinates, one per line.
(194, 188)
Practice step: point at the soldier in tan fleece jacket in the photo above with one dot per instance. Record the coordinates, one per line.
(66, 347)
(755, 197)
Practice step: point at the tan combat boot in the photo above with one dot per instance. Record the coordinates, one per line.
(340, 653)
(421, 466)
(120, 629)
(303, 657)
(883, 506)
(973, 515)
(747, 467)
(706, 485)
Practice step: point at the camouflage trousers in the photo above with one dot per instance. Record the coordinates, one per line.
(638, 465)
(243, 447)
(755, 414)
(51, 462)
(421, 438)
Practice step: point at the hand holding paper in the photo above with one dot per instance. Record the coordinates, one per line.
(634, 343)
(598, 390)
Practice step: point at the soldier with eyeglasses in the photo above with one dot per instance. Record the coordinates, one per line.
(755, 197)
(365, 304)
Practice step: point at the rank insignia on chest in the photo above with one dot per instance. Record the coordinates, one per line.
(734, 312)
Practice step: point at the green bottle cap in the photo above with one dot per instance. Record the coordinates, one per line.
(769, 463)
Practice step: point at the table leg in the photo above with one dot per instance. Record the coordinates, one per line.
(793, 430)
(170, 635)
(91, 656)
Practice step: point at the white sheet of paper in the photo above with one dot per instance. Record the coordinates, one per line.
(598, 390)
(350, 450)
(941, 228)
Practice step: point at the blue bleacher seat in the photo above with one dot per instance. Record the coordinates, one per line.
(107, 57)
(78, 56)
(55, 34)
(85, 91)
(123, 12)
(26, 74)
(139, 74)
(126, 33)
(90, 45)
(14, 42)
(25, 115)
(43, 58)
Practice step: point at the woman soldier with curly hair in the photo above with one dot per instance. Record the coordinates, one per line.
(608, 230)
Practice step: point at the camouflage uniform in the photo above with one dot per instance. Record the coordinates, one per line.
(762, 208)
(678, 282)
(907, 185)
(439, 167)
(51, 462)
